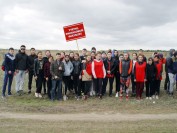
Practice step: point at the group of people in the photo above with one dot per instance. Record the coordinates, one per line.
(88, 74)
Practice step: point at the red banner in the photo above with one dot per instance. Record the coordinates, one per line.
(74, 32)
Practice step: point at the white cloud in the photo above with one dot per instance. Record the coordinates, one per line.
(116, 24)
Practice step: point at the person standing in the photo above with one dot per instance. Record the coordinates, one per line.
(31, 59)
(140, 76)
(67, 74)
(21, 66)
(76, 75)
(158, 77)
(150, 76)
(87, 76)
(99, 73)
(48, 76)
(134, 60)
(172, 71)
(57, 69)
(39, 73)
(110, 66)
(46, 59)
(9, 66)
(125, 68)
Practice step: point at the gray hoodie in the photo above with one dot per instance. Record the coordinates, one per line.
(68, 68)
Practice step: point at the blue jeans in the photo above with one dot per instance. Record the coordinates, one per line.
(56, 84)
(8, 78)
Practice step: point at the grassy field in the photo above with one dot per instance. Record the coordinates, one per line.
(29, 105)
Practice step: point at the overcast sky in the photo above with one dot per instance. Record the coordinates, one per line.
(109, 24)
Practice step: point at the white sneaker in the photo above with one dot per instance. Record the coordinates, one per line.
(117, 94)
(91, 93)
(94, 93)
(40, 96)
(153, 96)
(147, 97)
(157, 97)
(64, 98)
(150, 98)
(36, 94)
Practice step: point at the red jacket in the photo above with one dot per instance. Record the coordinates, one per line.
(140, 71)
(159, 67)
(88, 68)
(98, 69)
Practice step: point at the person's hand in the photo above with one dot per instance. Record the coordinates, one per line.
(71, 77)
(47, 79)
(83, 61)
(56, 77)
(145, 80)
(60, 68)
(134, 80)
(80, 77)
(108, 72)
(26, 71)
(9, 72)
(35, 77)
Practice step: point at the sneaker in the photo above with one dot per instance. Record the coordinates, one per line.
(157, 97)
(117, 94)
(64, 98)
(147, 98)
(36, 94)
(100, 97)
(21, 92)
(93, 93)
(40, 96)
(78, 98)
(153, 96)
(150, 98)
(10, 94)
(3, 97)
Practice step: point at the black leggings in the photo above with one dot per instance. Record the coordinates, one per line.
(150, 88)
(66, 80)
(105, 82)
(117, 76)
(76, 83)
(87, 86)
(157, 87)
(39, 81)
(98, 85)
(49, 87)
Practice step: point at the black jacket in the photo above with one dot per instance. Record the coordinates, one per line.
(21, 61)
(31, 59)
(112, 65)
(38, 67)
(77, 67)
(150, 72)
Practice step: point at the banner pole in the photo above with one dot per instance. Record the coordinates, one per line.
(77, 46)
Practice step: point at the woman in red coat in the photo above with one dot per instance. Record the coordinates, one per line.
(158, 78)
(98, 72)
(140, 76)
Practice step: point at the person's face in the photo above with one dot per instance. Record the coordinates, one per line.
(50, 59)
(126, 56)
(103, 55)
(40, 55)
(58, 57)
(62, 55)
(84, 52)
(93, 54)
(71, 55)
(98, 56)
(67, 58)
(134, 57)
(176, 56)
(156, 59)
(150, 62)
(140, 58)
(32, 52)
(94, 50)
(11, 52)
(115, 53)
(121, 58)
(48, 54)
(76, 57)
(109, 55)
(88, 58)
(22, 49)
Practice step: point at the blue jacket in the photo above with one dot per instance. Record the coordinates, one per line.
(9, 62)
